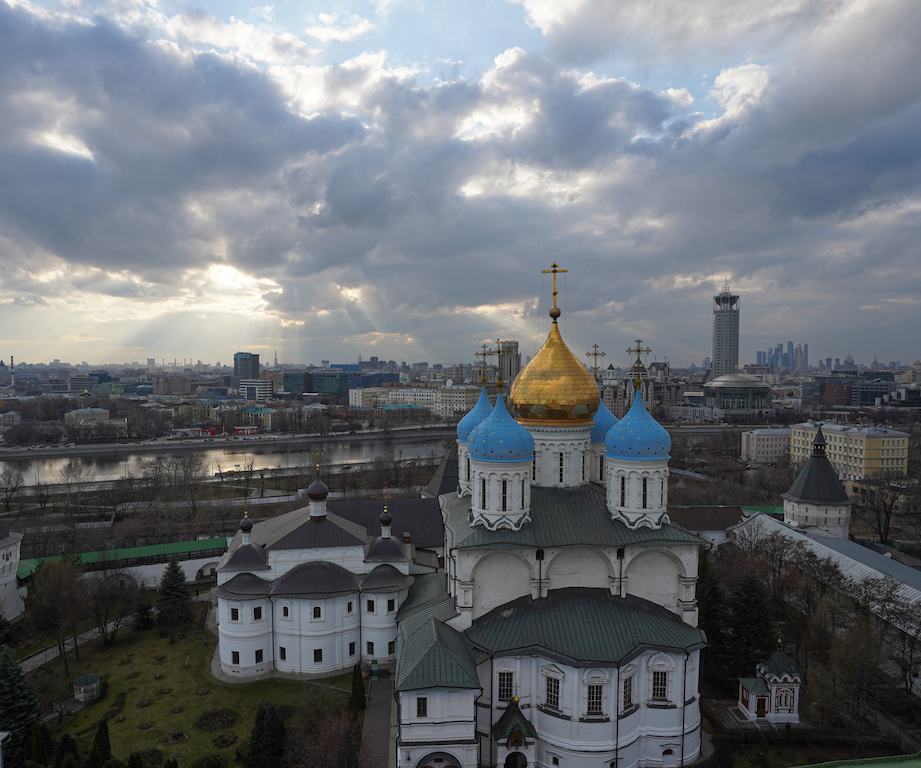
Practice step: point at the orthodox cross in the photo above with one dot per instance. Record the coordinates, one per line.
(486, 353)
(499, 362)
(593, 352)
(638, 349)
(554, 270)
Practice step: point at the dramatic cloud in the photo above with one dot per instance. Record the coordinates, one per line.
(188, 184)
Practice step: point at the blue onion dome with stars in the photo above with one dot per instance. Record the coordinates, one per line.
(637, 436)
(604, 420)
(500, 437)
(474, 417)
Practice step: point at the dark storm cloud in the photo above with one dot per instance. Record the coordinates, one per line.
(396, 207)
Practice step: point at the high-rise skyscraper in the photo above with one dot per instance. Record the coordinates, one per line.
(509, 362)
(725, 358)
(246, 365)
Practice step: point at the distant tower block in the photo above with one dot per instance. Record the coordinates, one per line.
(725, 333)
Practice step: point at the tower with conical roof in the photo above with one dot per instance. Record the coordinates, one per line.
(556, 399)
(817, 497)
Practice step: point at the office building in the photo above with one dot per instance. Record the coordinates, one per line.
(246, 365)
(856, 453)
(725, 357)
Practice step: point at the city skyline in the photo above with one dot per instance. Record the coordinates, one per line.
(390, 179)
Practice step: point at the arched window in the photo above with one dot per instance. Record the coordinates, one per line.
(645, 491)
(561, 466)
(523, 481)
(483, 493)
(505, 495)
(468, 469)
(623, 491)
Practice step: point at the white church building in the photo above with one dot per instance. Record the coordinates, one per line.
(556, 623)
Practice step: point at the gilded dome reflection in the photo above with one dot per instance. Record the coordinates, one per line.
(554, 388)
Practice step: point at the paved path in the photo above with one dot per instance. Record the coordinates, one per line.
(378, 748)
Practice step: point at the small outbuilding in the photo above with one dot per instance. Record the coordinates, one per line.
(774, 694)
(87, 687)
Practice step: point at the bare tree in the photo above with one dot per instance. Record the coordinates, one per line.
(113, 594)
(57, 599)
(878, 499)
(11, 482)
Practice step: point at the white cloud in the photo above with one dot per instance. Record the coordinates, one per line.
(257, 44)
(330, 29)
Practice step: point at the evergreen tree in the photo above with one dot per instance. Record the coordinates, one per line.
(40, 752)
(357, 700)
(136, 761)
(67, 746)
(171, 763)
(267, 740)
(19, 708)
(101, 744)
(750, 625)
(174, 603)
(712, 618)
(143, 611)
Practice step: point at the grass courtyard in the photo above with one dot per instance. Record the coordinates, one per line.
(161, 696)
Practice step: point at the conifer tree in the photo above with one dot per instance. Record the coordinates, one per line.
(712, 619)
(171, 763)
(101, 744)
(357, 700)
(750, 624)
(174, 603)
(267, 740)
(19, 708)
(136, 761)
(39, 751)
(67, 746)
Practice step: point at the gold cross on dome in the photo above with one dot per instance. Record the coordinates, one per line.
(499, 363)
(486, 353)
(593, 352)
(554, 270)
(638, 349)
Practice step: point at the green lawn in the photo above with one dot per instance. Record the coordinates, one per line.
(158, 677)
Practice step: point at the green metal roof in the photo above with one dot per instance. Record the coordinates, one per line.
(513, 719)
(764, 510)
(560, 517)
(581, 626)
(435, 656)
(28, 567)
(895, 761)
(428, 598)
(754, 684)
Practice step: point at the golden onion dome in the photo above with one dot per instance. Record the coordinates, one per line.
(554, 388)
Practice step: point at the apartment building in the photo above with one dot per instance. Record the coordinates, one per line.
(855, 452)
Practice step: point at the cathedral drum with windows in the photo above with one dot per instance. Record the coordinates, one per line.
(563, 630)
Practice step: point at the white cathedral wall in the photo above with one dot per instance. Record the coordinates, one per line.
(464, 471)
(379, 626)
(481, 580)
(487, 497)
(598, 462)
(11, 603)
(300, 633)
(573, 442)
(449, 720)
(638, 738)
(281, 561)
(245, 636)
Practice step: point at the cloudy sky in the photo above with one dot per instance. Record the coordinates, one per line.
(187, 179)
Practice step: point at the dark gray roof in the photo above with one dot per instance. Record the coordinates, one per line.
(705, 518)
(445, 479)
(243, 586)
(250, 557)
(581, 626)
(560, 517)
(817, 483)
(317, 579)
(421, 517)
(389, 550)
(435, 656)
(385, 578)
(328, 531)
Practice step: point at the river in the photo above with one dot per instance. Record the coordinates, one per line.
(227, 455)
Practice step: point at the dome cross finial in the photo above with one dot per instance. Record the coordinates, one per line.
(487, 353)
(554, 270)
(638, 350)
(594, 353)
